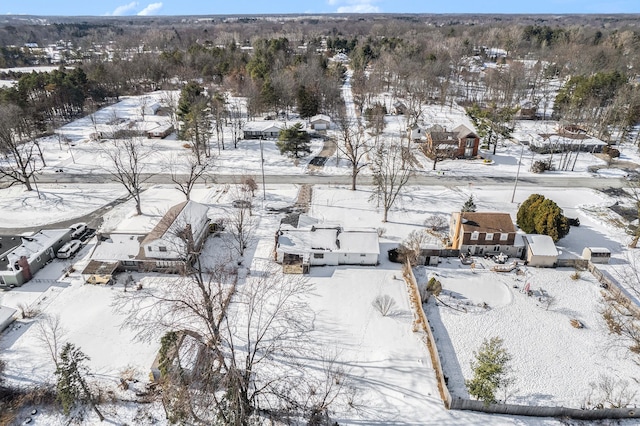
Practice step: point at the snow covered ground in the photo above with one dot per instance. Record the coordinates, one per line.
(386, 362)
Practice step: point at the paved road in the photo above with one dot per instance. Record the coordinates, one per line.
(420, 178)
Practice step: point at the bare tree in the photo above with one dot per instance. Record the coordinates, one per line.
(127, 166)
(17, 146)
(195, 170)
(352, 144)
(240, 226)
(50, 333)
(392, 167)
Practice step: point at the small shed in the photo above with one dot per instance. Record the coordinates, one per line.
(541, 251)
(7, 316)
(596, 254)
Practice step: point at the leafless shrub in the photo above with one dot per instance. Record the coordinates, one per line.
(384, 304)
(612, 392)
(436, 222)
(28, 311)
(381, 232)
(576, 275)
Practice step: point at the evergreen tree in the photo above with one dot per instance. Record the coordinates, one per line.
(71, 385)
(308, 103)
(539, 215)
(294, 141)
(490, 370)
(469, 205)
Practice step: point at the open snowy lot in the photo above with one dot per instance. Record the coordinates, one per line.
(554, 364)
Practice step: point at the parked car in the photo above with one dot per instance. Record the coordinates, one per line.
(78, 230)
(69, 249)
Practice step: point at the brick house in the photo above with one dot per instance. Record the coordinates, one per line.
(461, 142)
(485, 233)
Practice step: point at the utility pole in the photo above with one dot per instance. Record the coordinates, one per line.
(515, 184)
(264, 191)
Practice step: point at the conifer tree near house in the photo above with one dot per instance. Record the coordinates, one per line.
(294, 141)
(469, 205)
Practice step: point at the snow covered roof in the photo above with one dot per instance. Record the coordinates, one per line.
(331, 239)
(37, 244)
(118, 247)
(320, 117)
(541, 245)
(6, 316)
(263, 126)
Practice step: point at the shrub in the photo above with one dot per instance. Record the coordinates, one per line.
(611, 151)
(384, 304)
(540, 166)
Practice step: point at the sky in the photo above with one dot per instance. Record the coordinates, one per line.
(222, 7)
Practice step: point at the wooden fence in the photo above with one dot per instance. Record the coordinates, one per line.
(537, 411)
(422, 323)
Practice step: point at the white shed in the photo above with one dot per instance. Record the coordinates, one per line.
(541, 250)
(596, 254)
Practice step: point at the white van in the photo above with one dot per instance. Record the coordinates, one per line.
(69, 249)
(78, 229)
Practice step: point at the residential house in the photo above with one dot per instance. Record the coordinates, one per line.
(173, 242)
(177, 237)
(417, 133)
(19, 262)
(262, 130)
(161, 131)
(320, 122)
(461, 142)
(480, 233)
(540, 250)
(325, 244)
(399, 108)
(152, 108)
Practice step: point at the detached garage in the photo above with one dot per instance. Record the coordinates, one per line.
(541, 251)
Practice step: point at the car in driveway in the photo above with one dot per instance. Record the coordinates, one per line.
(78, 229)
(69, 249)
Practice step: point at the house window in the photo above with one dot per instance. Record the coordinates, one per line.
(475, 235)
(162, 248)
(470, 142)
(149, 248)
(496, 248)
(363, 255)
(504, 237)
(318, 255)
(488, 236)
